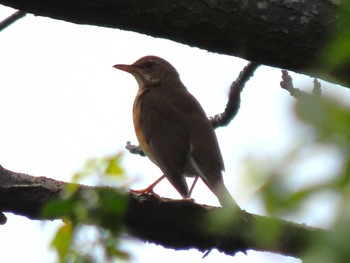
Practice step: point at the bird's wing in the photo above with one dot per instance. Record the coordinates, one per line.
(205, 154)
(162, 124)
(177, 131)
(205, 149)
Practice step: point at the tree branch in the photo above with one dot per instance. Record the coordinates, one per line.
(234, 98)
(283, 34)
(11, 19)
(287, 84)
(177, 224)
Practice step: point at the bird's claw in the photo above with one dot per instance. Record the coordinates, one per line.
(146, 191)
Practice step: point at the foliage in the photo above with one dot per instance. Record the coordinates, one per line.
(327, 131)
(337, 53)
(92, 216)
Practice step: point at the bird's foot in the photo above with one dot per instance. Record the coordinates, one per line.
(149, 189)
(189, 199)
(146, 191)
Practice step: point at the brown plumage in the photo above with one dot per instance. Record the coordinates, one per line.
(173, 129)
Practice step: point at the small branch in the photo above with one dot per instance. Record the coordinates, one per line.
(316, 91)
(134, 149)
(234, 98)
(11, 19)
(287, 84)
(176, 224)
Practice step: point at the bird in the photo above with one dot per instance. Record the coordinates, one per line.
(174, 131)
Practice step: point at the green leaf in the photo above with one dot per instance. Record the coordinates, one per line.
(330, 120)
(114, 167)
(62, 240)
(338, 52)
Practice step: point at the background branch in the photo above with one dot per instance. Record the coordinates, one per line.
(11, 19)
(234, 98)
(283, 34)
(287, 84)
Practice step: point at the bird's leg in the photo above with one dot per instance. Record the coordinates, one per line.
(192, 187)
(149, 189)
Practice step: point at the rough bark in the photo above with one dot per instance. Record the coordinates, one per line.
(177, 224)
(285, 34)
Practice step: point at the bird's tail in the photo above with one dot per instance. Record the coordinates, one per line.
(225, 198)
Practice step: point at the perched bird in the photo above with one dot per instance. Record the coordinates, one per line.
(173, 129)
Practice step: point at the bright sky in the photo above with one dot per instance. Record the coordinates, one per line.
(62, 103)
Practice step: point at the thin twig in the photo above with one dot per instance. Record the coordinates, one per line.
(134, 149)
(11, 19)
(287, 84)
(234, 99)
(316, 91)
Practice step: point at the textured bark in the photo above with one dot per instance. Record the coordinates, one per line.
(177, 224)
(284, 34)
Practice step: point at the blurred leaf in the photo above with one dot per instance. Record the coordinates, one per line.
(62, 240)
(338, 52)
(102, 206)
(267, 231)
(279, 199)
(110, 208)
(90, 168)
(119, 254)
(60, 208)
(221, 221)
(70, 189)
(330, 120)
(344, 179)
(333, 247)
(275, 194)
(111, 247)
(101, 168)
(114, 167)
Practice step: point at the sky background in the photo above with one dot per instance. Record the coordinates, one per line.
(62, 103)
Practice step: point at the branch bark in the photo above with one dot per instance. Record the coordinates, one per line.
(284, 34)
(177, 224)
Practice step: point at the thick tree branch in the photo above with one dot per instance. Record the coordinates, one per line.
(284, 34)
(177, 224)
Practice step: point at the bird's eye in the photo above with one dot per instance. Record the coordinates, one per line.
(146, 64)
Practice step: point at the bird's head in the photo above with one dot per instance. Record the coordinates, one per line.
(151, 71)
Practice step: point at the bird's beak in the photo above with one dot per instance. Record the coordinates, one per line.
(127, 68)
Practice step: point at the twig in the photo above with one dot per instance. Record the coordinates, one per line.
(316, 91)
(11, 19)
(234, 99)
(287, 84)
(134, 149)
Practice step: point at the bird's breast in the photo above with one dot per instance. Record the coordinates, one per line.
(138, 127)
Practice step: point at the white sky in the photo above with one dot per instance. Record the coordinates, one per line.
(62, 103)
